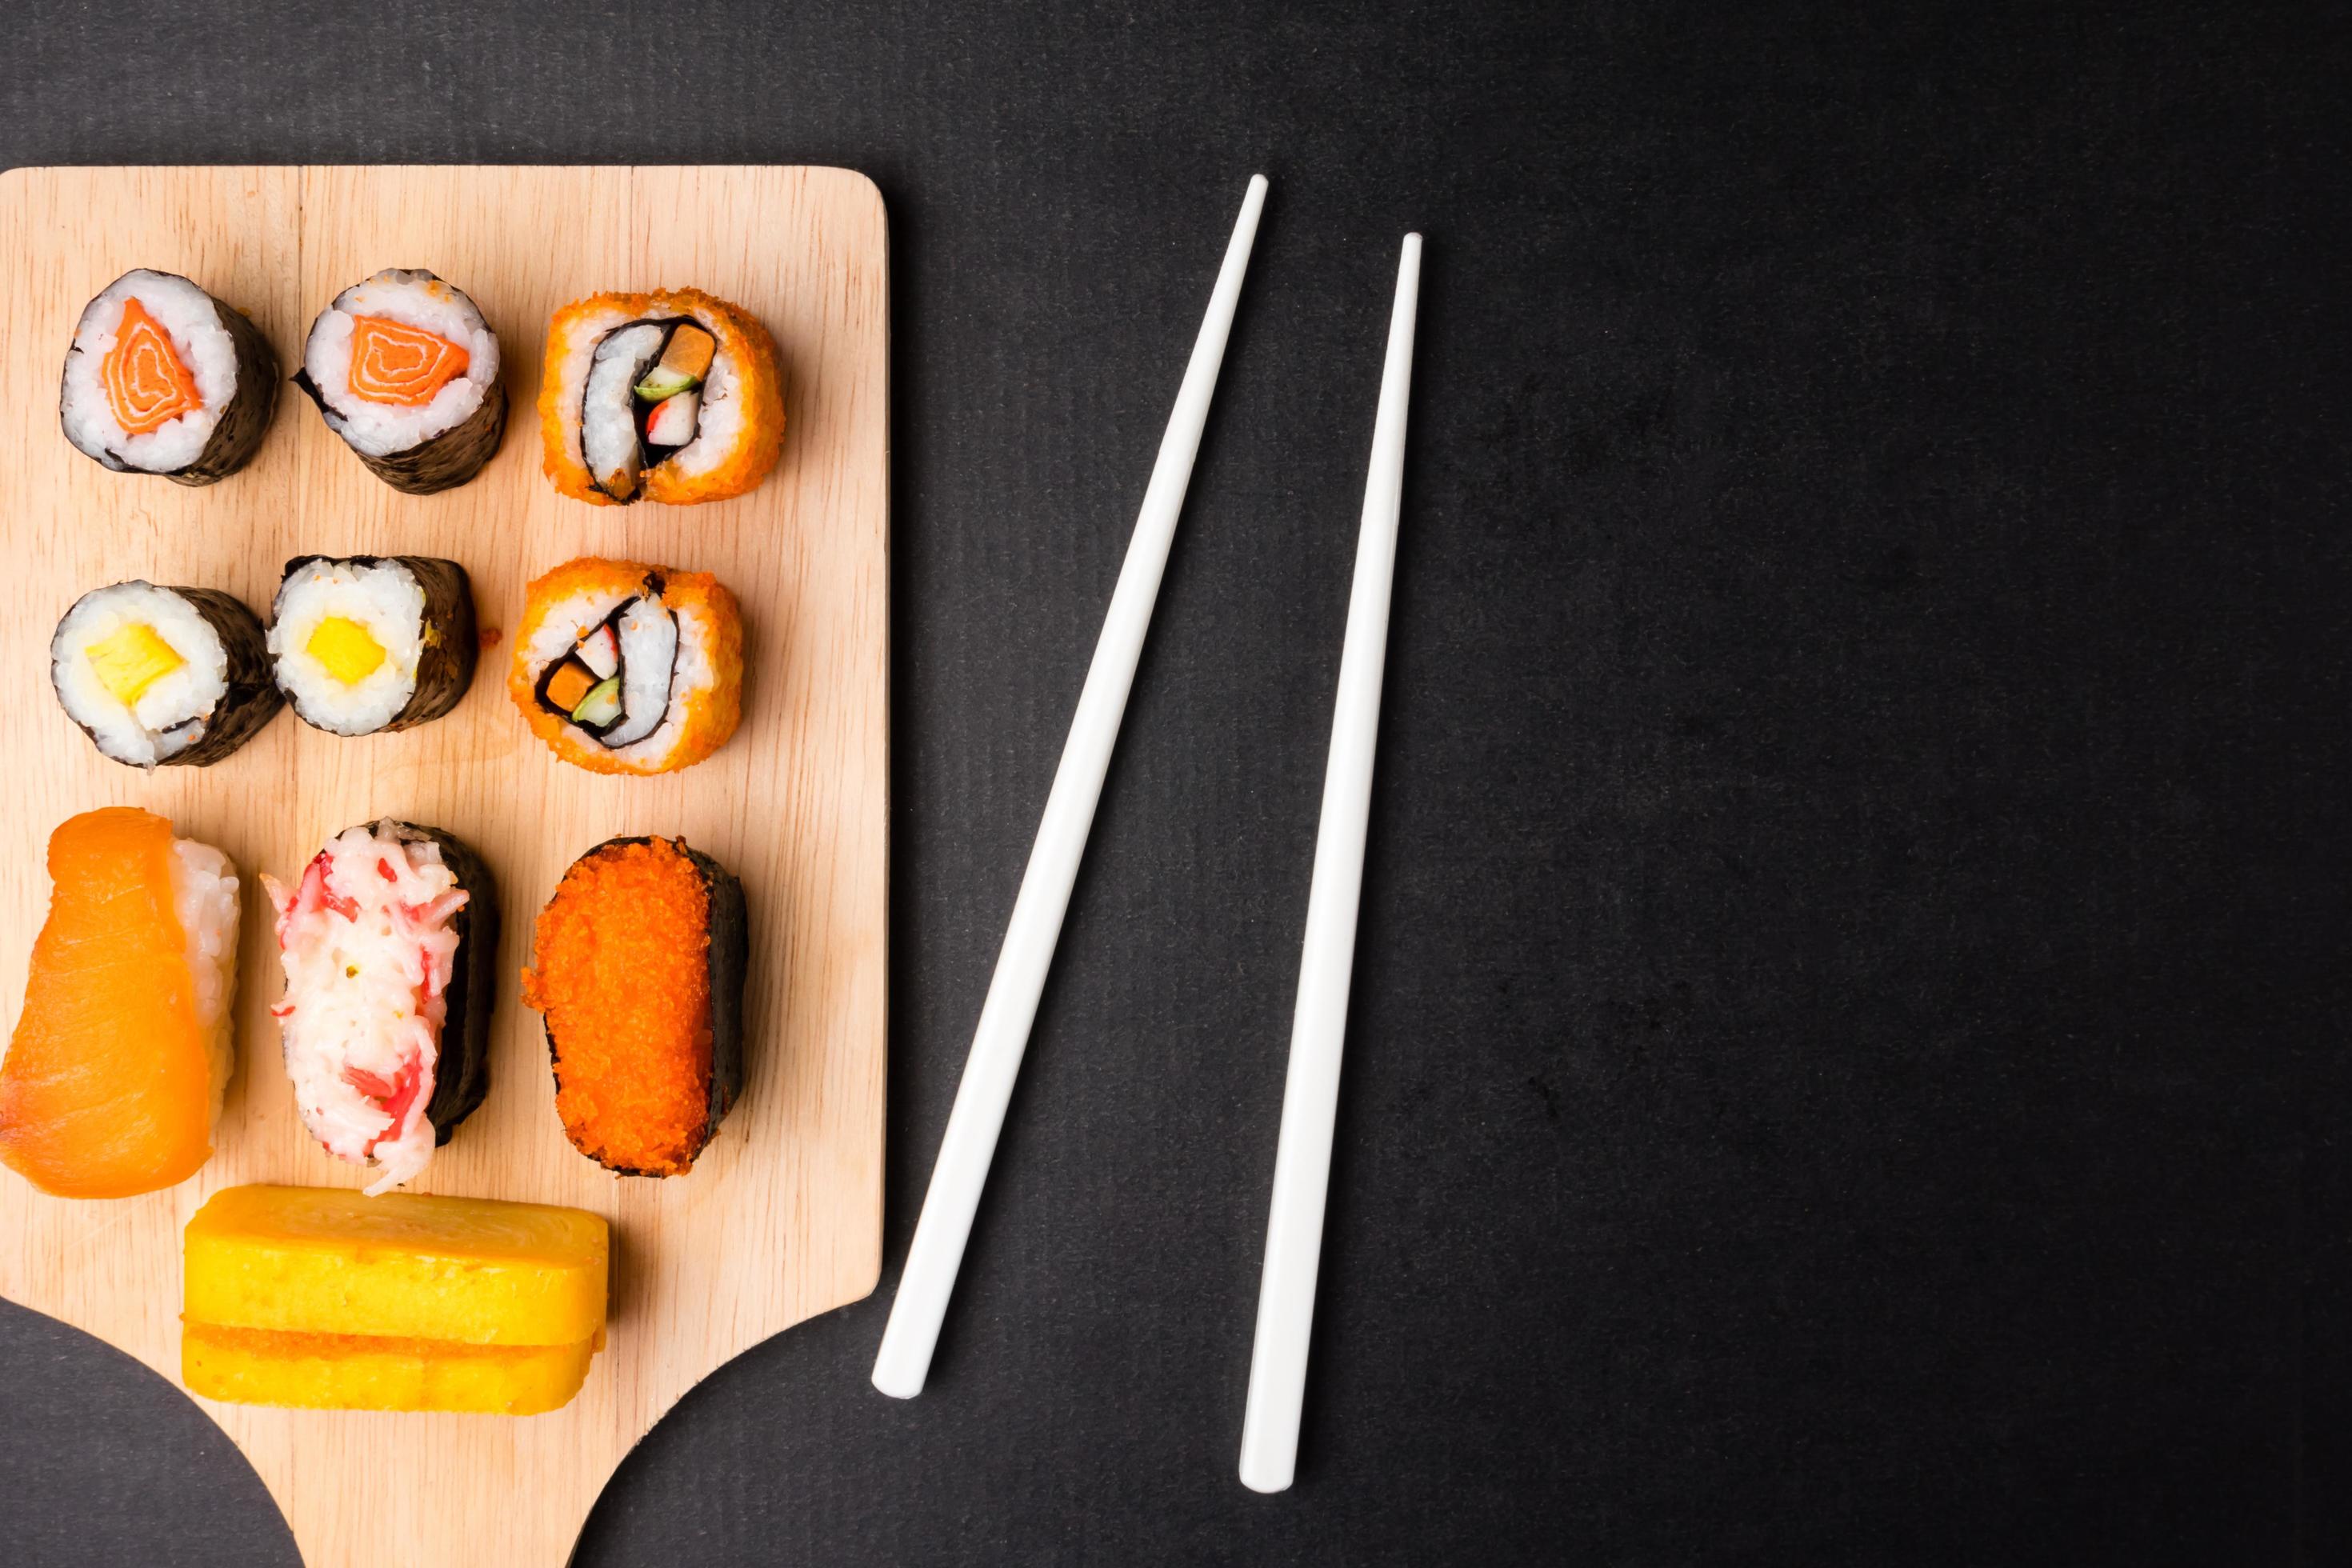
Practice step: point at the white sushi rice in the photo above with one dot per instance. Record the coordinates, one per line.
(387, 599)
(170, 715)
(414, 299)
(608, 432)
(205, 349)
(203, 897)
(692, 671)
(366, 992)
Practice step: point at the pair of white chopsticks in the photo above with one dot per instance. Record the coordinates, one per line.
(1294, 1238)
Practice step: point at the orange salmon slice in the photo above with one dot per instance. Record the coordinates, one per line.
(405, 366)
(147, 387)
(107, 1089)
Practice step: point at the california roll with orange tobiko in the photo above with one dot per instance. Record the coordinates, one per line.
(671, 397)
(405, 370)
(389, 939)
(624, 667)
(638, 967)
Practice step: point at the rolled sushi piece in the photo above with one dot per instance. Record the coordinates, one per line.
(638, 967)
(405, 370)
(116, 1072)
(165, 379)
(627, 668)
(163, 677)
(390, 943)
(671, 397)
(367, 644)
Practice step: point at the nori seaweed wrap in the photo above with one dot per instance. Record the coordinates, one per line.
(158, 676)
(405, 370)
(369, 644)
(638, 967)
(473, 980)
(161, 378)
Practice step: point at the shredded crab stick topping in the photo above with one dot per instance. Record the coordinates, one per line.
(146, 386)
(394, 362)
(369, 949)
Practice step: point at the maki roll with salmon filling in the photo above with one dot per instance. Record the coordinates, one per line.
(628, 668)
(155, 675)
(670, 396)
(638, 968)
(165, 379)
(369, 644)
(405, 370)
(390, 942)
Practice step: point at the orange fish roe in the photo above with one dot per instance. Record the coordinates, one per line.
(621, 973)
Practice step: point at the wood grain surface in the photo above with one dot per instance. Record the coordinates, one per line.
(782, 1218)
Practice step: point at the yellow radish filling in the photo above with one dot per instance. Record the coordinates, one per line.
(129, 659)
(345, 649)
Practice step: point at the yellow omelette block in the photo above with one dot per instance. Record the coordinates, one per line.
(325, 1298)
(362, 1372)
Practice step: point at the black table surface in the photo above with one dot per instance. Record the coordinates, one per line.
(1847, 1059)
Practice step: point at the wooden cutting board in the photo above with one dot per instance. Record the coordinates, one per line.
(782, 1219)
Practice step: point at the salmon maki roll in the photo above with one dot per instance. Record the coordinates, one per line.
(671, 397)
(162, 378)
(637, 966)
(627, 668)
(405, 370)
(116, 1072)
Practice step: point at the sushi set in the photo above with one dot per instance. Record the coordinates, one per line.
(440, 1076)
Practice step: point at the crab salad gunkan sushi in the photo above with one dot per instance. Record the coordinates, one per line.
(390, 943)
(405, 370)
(162, 378)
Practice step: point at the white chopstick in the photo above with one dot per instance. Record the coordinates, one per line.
(1003, 1036)
(1302, 1161)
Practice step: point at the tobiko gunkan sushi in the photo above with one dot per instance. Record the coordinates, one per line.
(637, 966)
(119, 1064)
(161, 378)
(389, 941)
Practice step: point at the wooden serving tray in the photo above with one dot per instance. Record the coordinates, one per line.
(782, 1218)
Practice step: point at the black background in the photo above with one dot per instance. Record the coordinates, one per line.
(1848, 1050)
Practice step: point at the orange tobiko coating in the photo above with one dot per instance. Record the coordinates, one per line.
(621, 971)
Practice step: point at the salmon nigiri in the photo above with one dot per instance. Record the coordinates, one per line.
(115, 1074)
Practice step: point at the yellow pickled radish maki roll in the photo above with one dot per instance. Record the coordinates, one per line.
(367, 644)
(624, 667)
(162, 676)
(671, 397)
